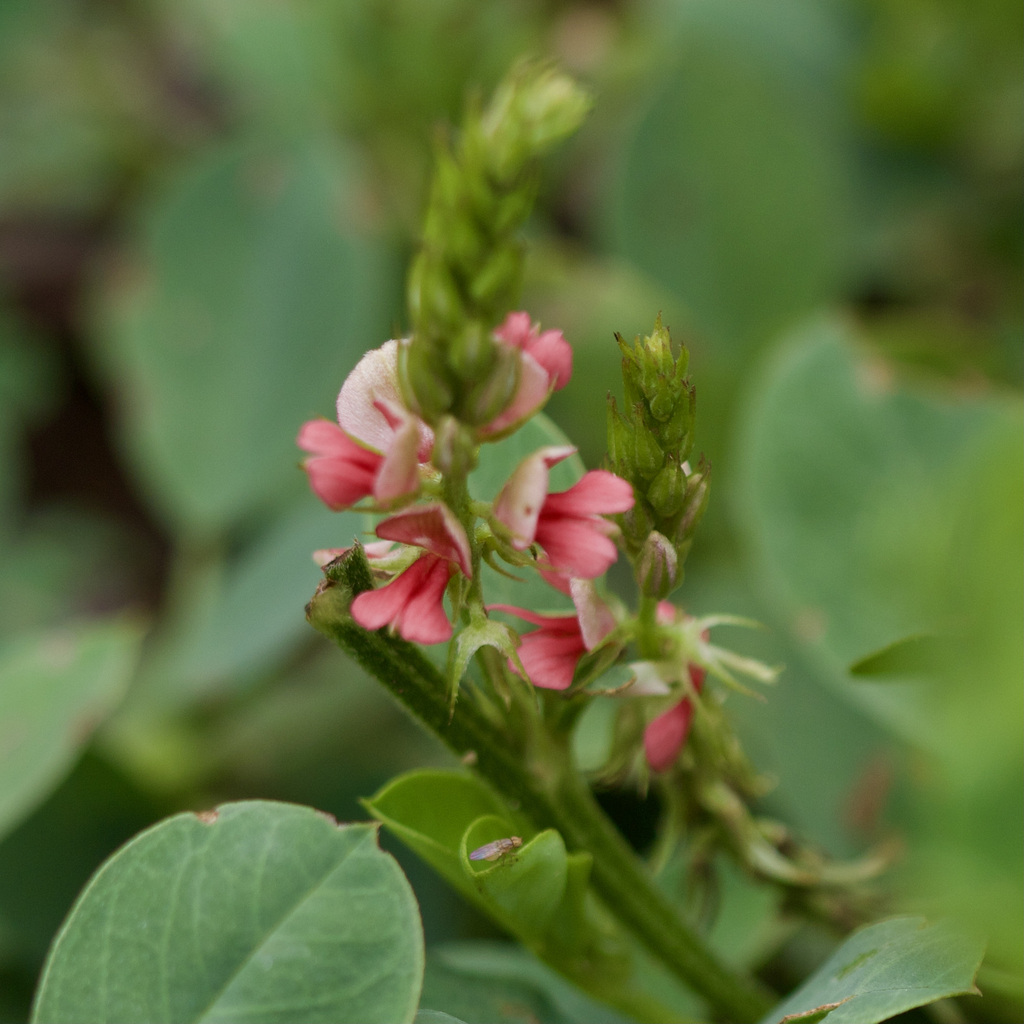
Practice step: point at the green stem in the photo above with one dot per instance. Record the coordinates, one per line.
(647, 629)
(553, 795)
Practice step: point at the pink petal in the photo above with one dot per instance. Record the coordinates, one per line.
(521, 499)
(413, 603)
(531, 393)
(423, 620)
(596, 620)
(665, 736)
(596, 493)
(552, 623)
(337, 483)
(399, 472)
(554, 353)
(515, 330)
(321, 437)
(550, 659)
(576, 547)
(434, 528)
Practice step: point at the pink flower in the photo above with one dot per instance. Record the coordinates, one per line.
(567, 525)
(413, 602)
(666, 735)
(340, 472)
(549, 348)
(379, 446)
(550, 654)
(545, 366)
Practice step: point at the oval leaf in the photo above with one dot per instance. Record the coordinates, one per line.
(55, 688)
(885, 969)
(257, 912)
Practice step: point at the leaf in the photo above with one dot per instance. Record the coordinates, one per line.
(883, 970)
(258, 296)
(431, 811)
(56, 687)
(732, 189)
(256, 912)
(435, 1017)
(498, 983)
(526, 886)
(253, 617)
(908, 656)
(844, 491)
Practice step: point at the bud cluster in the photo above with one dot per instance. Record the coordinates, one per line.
(468, 271)
(648, 445)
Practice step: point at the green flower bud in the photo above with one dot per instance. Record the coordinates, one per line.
(695, 502)
(492, 394)
(657, 568)
(467, 273)
(667, 492)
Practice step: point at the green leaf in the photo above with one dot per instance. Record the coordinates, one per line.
(55, 689)
(257, 912)
(732, 190)
(843, 490)
(431, 810)
(252, 618)
(908, 656)
(525, 885)
(435, 1017)
(497, 983)
(258, 296)
(883, 970)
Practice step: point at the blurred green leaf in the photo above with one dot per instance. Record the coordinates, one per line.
(874, 511)
(56, 687)
(843, 489)
(883, 970)
(435, 1017)
(44, 872)
(909, 656)
(28, 387)
(251, 617)
(731, 189)
(266, 912)
(255, 297)
(497, 983)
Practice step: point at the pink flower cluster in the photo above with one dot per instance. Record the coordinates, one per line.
(380, 450)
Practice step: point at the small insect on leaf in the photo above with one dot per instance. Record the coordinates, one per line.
(492, 851)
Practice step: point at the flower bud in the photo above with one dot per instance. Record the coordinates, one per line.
(667, 492)
(657, 570)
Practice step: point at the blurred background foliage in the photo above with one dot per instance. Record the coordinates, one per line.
(206, 210)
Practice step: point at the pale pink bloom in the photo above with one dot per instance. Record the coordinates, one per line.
(567, 525)
(371, 399)
(551, 653)
(413, 602)
(378, 448)
(666, 735)
(545, 365)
